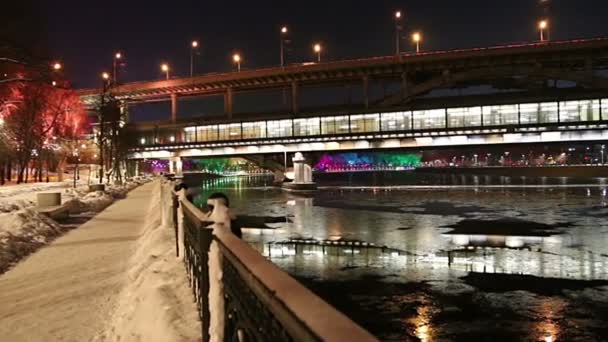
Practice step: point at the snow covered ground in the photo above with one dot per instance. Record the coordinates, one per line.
(156, 304)
(115, 278)
(23, 229)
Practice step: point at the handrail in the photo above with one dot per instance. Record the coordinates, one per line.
(303, 314)
(260, 301)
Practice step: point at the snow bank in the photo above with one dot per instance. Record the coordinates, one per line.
(23, 230)
(156, 304)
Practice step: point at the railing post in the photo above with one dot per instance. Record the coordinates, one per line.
(175, 209)
(206, 237)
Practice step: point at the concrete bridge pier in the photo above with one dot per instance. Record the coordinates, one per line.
(175, 166)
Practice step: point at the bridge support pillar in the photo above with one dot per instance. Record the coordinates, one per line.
(173, 108)
(175, 166)
(366, 91)
(124, 109)
(228, 102)
(294, 97)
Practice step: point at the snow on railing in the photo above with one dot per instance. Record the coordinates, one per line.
(241, 296)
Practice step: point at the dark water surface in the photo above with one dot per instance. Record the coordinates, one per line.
(450, 264)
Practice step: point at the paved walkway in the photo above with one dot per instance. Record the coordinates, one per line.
(67, 291)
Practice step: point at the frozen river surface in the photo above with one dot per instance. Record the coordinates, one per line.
(470, 264)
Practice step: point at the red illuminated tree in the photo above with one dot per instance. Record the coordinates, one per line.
(39, 116)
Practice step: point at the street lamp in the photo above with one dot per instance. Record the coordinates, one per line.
(105, 76)
(317, 49)
(165, 68)
(602, 150)
(398, 28)
(194, 46)
(417, 37)
(542, 26)
(282, 38)
(117, 56)
(57, 66)
(237, 59)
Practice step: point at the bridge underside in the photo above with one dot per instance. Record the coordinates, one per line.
(427, 140)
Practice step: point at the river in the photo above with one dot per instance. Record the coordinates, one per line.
(455, 262)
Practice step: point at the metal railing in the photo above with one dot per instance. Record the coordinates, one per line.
(253, 300)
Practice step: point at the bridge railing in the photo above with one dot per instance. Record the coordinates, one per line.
(241, 296)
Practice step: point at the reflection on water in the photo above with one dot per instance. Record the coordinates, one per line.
(344, 237)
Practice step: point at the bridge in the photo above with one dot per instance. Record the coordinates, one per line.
(543, 92)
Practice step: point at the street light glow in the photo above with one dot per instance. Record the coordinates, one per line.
(105, 76)
(317, 47)
(543, 24)
(118, 55)
(164, 67)
(194, 44)
(398, 15)
(57, 66)
(416, 37)
(284, 29)
(236, 58)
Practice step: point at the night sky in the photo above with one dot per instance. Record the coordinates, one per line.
(85, 34)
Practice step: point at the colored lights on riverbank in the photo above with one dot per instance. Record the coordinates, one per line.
(367, 161)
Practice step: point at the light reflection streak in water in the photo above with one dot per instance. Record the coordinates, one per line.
(547, 327)
(423, 329)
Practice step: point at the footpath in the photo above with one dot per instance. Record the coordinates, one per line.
(68, 290)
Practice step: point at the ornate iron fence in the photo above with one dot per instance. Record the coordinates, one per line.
(254, 300)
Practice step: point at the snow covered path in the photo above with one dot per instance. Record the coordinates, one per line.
(68, 290)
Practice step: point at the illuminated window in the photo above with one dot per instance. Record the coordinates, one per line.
(398, 121)
(306, 127)
(206, 133)
(464, 117)
(335, 125)
(548, 112)
(230, 132)
(500, 115)
(279, 128)
(573, 111)
(429, 119)
(365, 123)
(254, 130)
(189, 134)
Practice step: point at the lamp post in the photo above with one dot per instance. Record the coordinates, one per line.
(602, 150)
(237, 59)
(57, 66)
(102, 119)
(543, 26)
(398, 28)
(317, 48)
(417, 37)
(284, 32)
(165, 68)
(117, 56)
(194, 46)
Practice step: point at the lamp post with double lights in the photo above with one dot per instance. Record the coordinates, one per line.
(282, 37)
(117, 57)
(236, 58)
(165, 68)
(193, 48)
(317, 49)
(543, 27)
(417, 38)
(398, 29)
